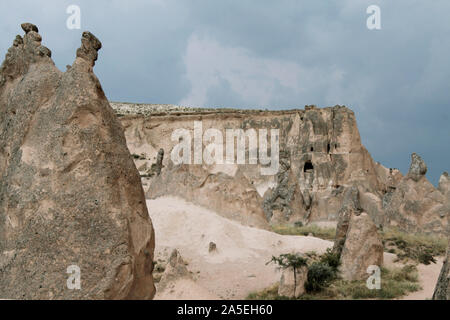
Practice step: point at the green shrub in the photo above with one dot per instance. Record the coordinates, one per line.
(332, 259)
(289, 260)
(298, 224)
(319, 276)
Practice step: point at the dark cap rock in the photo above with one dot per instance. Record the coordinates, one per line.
(418, 167)
(27, 27)
(89, 47)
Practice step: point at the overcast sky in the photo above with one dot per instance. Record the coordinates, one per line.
(271, 54)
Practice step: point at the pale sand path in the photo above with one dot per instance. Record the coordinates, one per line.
(239, 265)
(428, 276)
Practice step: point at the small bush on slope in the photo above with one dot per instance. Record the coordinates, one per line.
(296, 230)
(395, 283)
(417, 247)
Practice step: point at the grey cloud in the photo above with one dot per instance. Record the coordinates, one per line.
(279, 54)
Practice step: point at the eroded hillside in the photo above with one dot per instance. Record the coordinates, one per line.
(321, 155)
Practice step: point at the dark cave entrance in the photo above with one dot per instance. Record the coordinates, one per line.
(308, 166)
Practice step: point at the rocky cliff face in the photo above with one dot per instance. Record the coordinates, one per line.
(70, 194)
(321, 156)
(414, 204)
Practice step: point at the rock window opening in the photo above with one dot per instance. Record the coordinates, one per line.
(308, 166)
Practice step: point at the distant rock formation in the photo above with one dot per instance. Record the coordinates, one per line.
(321, 156)
(415, 205)
(70, 194)
(418, 168)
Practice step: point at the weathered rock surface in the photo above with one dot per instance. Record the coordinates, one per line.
(227, 195)
(70, 193)
(362, 248)
(292, 285)
(175, 269)
(321, 156)
(442, 291)
(418, 168)
(415, 205)
(350, 207)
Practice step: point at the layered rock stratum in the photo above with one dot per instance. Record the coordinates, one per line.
(321, 156)
(70, 194)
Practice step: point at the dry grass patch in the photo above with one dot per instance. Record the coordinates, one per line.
(395, 283)
(299, 230)
(417, 247)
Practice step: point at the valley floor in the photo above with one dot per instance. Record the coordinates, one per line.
(239, 264)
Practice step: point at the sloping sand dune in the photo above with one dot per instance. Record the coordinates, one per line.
(238, 266)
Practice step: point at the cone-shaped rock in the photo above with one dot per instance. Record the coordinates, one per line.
(70, 194)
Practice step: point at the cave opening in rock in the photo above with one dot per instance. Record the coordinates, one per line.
(328, 148)
(308, 166)
(312, 149)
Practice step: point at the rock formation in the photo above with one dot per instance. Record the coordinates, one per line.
(321, 156)
(350, 207)
(444, 184)
(418, 168)
(415, 205)
(175, 269)
(227, 195)
(357, 241)
(362, 248)
(70, 193)
(442, 291)
(293, 285)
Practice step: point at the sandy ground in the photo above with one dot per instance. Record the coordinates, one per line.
(428, 276)
(238, 266)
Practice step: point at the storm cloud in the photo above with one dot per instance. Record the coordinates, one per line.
(274, 55)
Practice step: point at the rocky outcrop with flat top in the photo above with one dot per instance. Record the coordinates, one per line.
(320, 157)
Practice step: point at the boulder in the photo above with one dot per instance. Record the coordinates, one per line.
(175, 270)
(350, 207)
(363, 247)
(70, 194)
(292, 285)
